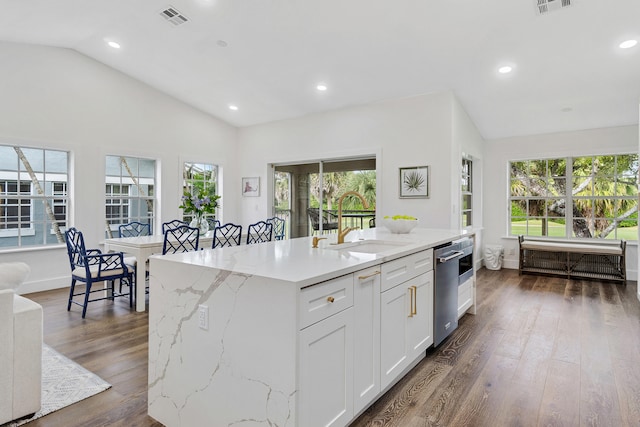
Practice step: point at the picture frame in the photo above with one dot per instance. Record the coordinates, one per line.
(251, 186)
(414, 182)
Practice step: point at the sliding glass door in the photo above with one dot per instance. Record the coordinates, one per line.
(307, 194)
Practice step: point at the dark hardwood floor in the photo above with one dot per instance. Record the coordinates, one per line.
(541, 351)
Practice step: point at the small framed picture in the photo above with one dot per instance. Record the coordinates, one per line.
(414, 182)
(251, 186)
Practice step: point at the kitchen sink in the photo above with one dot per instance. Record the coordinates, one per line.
(367, 246)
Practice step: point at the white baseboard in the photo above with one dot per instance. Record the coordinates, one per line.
(44, 285)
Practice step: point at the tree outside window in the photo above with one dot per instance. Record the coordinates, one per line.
(29, 180)
(129, 192)
(199, 178)
(581, 197)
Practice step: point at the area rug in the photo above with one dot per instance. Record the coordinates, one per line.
(64, 382)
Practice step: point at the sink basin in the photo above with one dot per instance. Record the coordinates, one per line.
(366, 246)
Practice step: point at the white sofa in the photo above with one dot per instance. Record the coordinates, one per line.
(20, 346)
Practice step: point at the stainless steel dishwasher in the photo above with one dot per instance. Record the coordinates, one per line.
(445, 301)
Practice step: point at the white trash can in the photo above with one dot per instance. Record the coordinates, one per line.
(493, 255)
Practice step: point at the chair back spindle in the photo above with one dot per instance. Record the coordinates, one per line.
(226, 235)
(259, 232)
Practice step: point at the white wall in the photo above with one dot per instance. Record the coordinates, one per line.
(58, 98)
(499, 152)
(404, 132)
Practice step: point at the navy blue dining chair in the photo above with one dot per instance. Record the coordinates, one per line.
(278, 227)
(213, 223)
(259, 232)
(91, 266)
(227, 235)
(172, 224)
(180, 239)
(134, 229)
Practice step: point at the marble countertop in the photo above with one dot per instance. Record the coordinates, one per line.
(294, 260)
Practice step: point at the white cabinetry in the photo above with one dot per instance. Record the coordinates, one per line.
(465, 296)
(355, 339)
(366, 369)
(326, 372)
(326, 353)
(406, 316)
(407, 325)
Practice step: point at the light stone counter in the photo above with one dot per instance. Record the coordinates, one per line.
(242, 370)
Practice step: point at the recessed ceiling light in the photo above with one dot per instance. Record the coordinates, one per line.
(505, 69)
(321, 87)
(628, 44)
(233, 107)
(114, 45)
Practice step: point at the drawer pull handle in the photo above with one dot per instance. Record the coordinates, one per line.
(331, 299)
(411, 299)
(415, 300)
(368, 275)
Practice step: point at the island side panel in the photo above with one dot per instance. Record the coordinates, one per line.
(242, 368)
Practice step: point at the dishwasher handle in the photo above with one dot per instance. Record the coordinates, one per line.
(453, 255)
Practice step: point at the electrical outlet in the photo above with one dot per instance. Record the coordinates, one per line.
(512, 251)
(203, 317)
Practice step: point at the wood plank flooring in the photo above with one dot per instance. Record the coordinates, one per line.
(541, 351)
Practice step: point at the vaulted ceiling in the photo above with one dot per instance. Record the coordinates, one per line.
(267, 56)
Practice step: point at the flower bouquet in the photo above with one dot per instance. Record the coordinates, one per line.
(200, 203)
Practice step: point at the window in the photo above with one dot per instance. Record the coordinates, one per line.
(60, 203)
(129, 191)
(15, 205)
(581, 197)
(32, 205)
(467, 193)
(197, 177)
(117, 203)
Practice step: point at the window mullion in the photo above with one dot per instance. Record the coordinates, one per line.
(568, 211)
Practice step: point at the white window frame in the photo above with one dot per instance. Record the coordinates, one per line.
(466, 178)
(569, 199)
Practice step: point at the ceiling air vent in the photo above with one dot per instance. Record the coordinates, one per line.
(546, 6)
(172, 15)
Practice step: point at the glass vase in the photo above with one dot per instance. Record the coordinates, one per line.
(200, 222)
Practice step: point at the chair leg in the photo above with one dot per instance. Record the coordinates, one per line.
(132, 289)
(86, 299)
(71, 291)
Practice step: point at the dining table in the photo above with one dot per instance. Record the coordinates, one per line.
(142, 247)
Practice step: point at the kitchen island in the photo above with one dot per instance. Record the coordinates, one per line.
(284, 334)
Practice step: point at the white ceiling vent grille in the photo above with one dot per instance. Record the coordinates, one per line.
(172, 15)
(546, 6)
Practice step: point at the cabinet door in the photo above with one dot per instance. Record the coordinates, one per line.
(326, 371)
(395, 309)
(366, 369)
(420, 325)
(406, 317)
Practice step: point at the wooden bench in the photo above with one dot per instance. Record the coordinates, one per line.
(601, 260)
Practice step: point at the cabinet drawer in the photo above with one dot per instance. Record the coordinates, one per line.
(406, 268)
(320, 301)
(465, 297)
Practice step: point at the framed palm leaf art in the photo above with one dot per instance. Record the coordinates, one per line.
(414, 182)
